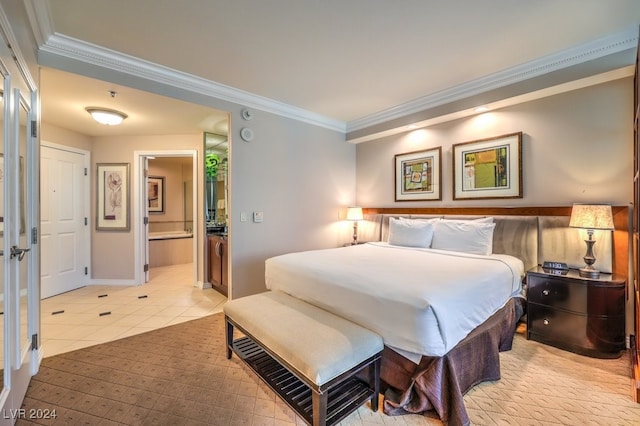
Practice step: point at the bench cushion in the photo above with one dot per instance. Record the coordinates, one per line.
(318, 344)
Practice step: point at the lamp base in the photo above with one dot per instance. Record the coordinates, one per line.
(355, 234)
(589, 272)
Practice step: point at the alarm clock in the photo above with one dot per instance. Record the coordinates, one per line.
(554, 265)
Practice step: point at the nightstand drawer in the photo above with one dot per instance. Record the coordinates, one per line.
(560, 294)
(582, 315)
(576, 296)
(586, 334)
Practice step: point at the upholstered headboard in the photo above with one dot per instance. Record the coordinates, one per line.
(533, 238)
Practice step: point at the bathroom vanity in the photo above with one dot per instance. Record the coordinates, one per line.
(218, 270)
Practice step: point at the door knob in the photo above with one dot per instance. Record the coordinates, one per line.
(18, 252)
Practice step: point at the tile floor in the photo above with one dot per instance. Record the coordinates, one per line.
(101, 313)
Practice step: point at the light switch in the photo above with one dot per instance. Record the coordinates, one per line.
(243, 216)
(258, 217)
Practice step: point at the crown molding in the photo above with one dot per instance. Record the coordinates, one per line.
(67, 47)
(70, 48)
(595, 49)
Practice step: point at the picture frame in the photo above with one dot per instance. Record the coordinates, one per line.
(488, 168)
(418, 175)
(112, 197)
(155, 194)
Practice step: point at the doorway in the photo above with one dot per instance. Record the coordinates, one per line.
(159, 200)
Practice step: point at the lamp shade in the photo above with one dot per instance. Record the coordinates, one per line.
(354, 213)
(109, 117)
(591, 216)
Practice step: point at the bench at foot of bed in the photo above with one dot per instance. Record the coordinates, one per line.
(313, 359)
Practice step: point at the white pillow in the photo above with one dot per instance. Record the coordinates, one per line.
(488, 219)
(410, 233)
(420, 219)
(465, 236)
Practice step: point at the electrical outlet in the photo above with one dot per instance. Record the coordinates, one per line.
(243, 216)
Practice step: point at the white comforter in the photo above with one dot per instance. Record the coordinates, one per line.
(421, 301)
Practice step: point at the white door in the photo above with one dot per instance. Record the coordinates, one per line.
(19, 224)
(21, 296)
(63, 219)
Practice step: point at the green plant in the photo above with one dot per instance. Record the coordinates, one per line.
(211, 162)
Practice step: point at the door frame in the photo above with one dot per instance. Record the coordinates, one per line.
(85, 244)
(141, 242)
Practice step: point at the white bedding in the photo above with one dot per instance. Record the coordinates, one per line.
(421, 301)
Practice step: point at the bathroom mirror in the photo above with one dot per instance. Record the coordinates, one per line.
(216, 160)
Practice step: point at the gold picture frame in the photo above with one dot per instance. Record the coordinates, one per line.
(418, 175)
(488, 168)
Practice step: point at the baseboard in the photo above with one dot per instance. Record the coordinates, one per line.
(98, 281)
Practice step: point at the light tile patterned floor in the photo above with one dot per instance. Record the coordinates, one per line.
(168, 298)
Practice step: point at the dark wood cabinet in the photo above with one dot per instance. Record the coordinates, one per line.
(218, 268)
(581, 315)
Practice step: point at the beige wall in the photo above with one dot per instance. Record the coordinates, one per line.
(577, 147)
(112, 252)
(301, 176)
(65, 137)
(175, 170)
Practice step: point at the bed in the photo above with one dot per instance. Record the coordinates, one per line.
(433, 321)
(426, 300)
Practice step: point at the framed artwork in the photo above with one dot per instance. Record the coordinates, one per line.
(155, 194)
(488, 168)
(112, 197)
(418, 175)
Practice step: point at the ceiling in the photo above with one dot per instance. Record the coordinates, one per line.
(343, 60)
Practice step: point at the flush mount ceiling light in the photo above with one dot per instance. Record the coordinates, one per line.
(108, 117)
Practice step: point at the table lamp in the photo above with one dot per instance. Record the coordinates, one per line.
(355, 214)
(591, 217)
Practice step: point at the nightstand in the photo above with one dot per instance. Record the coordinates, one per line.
(581, 315)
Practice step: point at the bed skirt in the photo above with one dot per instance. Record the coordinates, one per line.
(439, 383)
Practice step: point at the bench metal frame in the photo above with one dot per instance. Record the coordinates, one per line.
(318, 405)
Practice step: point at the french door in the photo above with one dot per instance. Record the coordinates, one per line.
(19, 219)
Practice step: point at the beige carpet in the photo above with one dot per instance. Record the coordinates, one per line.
(179, 376)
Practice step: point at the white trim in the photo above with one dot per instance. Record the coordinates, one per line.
(68, 47)
(102, 281)
(516, 100)
(604, 46)
(18, 57)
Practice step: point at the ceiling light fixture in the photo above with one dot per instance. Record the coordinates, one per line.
(108, 117)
